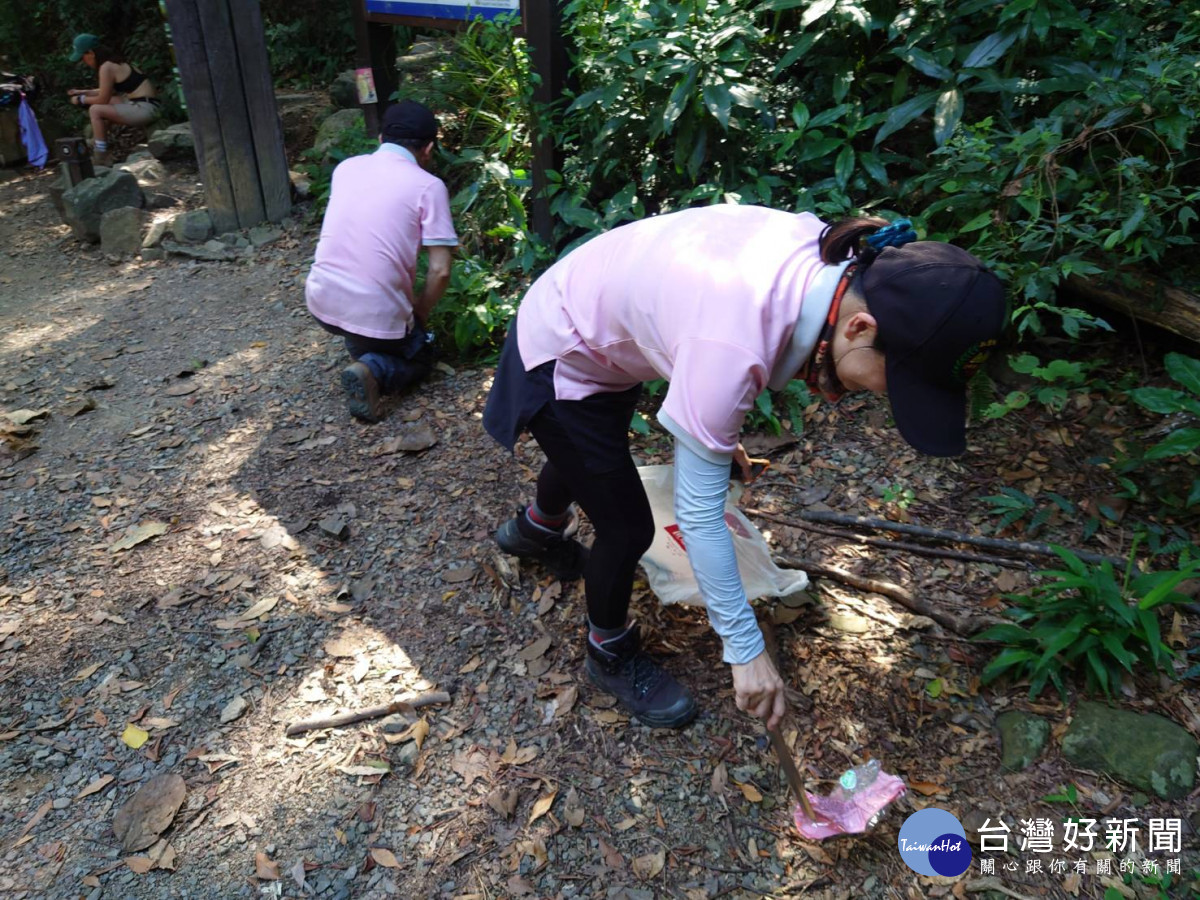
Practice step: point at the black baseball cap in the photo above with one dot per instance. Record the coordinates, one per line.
(411, 120)
(940, 313)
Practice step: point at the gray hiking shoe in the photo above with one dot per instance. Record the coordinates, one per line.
(362, 392)
(560, 553)
(647, 690)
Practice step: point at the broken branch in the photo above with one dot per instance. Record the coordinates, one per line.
(430, 698)
(1013, 548)
(901, 595)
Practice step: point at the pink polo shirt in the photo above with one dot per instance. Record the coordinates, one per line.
(706, 298)
(383, 207)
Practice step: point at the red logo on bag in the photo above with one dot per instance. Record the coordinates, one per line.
(730, 520)
(674, 531)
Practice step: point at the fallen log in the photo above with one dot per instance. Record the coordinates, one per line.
(339, 720)
(1150, 300)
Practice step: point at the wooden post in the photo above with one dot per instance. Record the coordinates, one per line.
(548, 58)
(372, 112)
(222, 56)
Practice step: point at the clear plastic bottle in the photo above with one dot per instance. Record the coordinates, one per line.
(854, 782)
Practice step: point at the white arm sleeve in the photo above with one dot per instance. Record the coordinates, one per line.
(700, 488)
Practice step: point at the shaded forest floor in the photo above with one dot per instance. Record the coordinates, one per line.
(199, 548)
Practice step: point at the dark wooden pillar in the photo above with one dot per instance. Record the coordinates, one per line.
(548, 57)
(375, 49)
(221, 52)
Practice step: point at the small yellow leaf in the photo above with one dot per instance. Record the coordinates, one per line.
(385, 858)
(134, 737)
(750, 792)
(542, 806)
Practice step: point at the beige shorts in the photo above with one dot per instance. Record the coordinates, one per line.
(136, 112)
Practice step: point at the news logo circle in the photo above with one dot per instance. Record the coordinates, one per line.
(932, 842)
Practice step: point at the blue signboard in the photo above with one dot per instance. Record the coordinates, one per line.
(456, 10)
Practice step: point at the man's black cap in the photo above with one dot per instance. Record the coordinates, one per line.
(410, 120)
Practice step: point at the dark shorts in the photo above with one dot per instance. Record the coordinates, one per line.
(598, 425)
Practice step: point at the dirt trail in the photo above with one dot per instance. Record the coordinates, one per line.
(301, 564)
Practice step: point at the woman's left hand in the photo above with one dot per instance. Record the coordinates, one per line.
(742, 458)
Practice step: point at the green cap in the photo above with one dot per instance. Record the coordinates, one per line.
(83, 43)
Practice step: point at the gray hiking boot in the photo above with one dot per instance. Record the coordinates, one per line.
(362, 392)
(555, 549)
(619, 667)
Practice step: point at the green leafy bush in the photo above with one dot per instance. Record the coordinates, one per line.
(1186, 403)
(1086, 618)
(320, 164)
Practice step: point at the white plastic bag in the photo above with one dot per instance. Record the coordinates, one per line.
(666, 563)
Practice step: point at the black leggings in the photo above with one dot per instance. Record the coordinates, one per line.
(607, 487)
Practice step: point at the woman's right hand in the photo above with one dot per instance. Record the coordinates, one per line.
(759, 690)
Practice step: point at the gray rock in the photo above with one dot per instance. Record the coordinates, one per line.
(153, 253)
(220, 253)
(192, 227)
(1022, 737)
(229, 239)
(121, 230)
(422, 58)
(174, 142)
(158, 230)
(343, 93)
(156, 200)
(149, 172)
(1148, 751)
(301, 185)
(86, 202)
(261, 235)
(332, 128)
(57, 188)
(138, 153)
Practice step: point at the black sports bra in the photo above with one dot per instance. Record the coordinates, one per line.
(132, 83)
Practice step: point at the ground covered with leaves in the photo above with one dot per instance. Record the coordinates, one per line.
(202, 550)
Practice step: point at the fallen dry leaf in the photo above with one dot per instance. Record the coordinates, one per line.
(98, 785)
(265, 869)
(461, 574)
(573, 809)
(514, 757)
(720, 778)
(611, 856)
(542, 806)
(85, 674)
(149, 812)
(417, 731)
(25, 416)
(143, 532)
(928, 788)
(750, 792)
(503, 800)
(139, 864)
(536, 649)
(470, 765)
(646, 867)
(385, 858)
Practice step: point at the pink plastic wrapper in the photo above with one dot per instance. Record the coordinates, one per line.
(853, 806)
